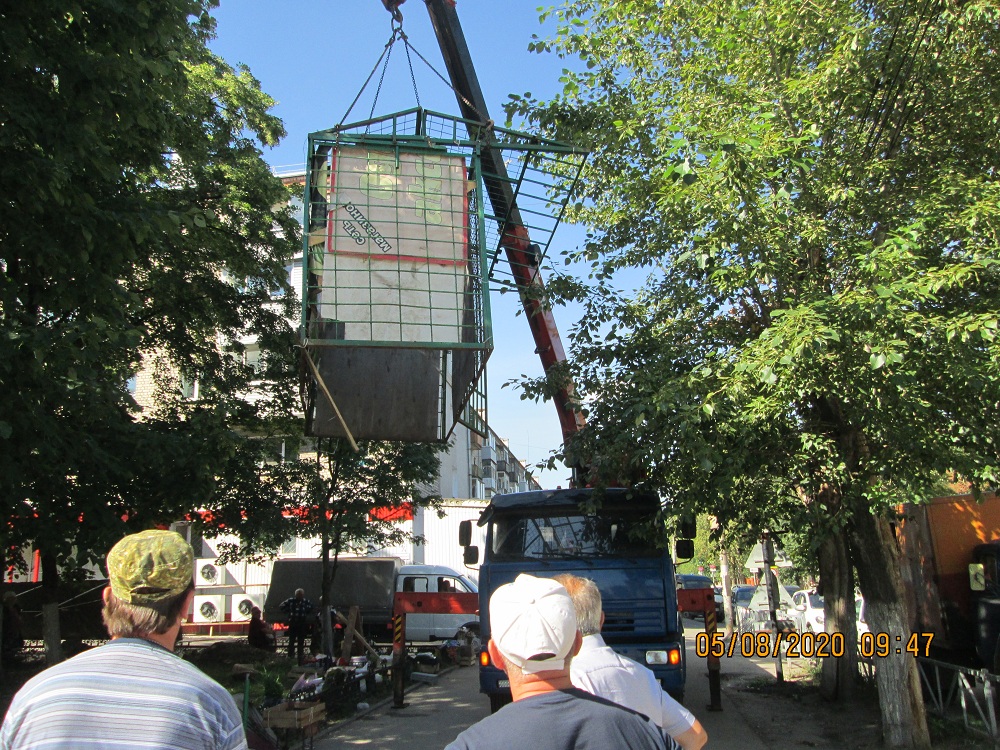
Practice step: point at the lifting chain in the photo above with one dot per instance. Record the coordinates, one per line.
(398, 35)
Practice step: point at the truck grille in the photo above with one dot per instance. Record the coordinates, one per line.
(633, 618)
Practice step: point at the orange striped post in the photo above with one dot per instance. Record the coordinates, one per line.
(398, 660)
(420, 602)
(703, 600)
(714, 666)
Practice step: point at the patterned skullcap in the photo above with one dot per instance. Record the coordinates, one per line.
(150, 567)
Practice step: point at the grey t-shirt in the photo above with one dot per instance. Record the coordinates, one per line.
(561, 720)
(128, 693)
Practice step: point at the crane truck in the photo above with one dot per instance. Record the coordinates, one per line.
(551, 532)
(548, 532)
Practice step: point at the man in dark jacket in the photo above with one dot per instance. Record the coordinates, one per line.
(299, 611)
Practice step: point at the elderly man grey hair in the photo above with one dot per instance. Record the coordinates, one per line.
(598, 669)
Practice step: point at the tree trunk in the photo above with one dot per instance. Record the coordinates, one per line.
(837, 582)
(876, 555)
(329, 571)
(51, 632)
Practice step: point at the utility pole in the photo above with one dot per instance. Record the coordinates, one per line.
(772, 600)
(727, 589)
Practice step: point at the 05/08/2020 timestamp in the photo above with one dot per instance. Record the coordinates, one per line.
(809, 645)
(761, 645)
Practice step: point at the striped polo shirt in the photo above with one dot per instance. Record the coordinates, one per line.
(128, 693)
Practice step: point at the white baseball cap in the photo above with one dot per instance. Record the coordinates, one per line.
(533, 623)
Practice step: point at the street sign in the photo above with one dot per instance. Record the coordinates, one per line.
(755, 560)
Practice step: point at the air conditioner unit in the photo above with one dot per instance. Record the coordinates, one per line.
(209, 608)
(207, 572)
(241, 604)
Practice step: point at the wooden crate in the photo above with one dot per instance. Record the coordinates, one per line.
(300, 714)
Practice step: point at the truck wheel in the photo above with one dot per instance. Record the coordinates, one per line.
(498, 701)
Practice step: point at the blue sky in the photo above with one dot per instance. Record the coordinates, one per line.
(313, 57)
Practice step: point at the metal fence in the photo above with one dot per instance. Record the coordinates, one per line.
(949, 688)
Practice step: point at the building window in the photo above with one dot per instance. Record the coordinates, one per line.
(189, 387)
(252, 358)
(279, 291)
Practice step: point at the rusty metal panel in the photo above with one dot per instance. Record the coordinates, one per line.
(382, 393)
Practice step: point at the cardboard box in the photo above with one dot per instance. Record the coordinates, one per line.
(300, 714)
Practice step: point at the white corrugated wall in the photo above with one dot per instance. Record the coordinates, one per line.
(441, 534)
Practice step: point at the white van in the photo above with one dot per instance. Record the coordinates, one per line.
(435, 579)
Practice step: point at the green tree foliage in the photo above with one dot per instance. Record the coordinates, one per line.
(139, 224)
(809, 193)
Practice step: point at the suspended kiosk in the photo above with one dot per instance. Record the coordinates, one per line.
(399, 249)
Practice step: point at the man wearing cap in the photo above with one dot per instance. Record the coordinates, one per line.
(133, 691)
(534, 637)
(598, 669)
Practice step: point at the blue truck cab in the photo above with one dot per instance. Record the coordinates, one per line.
(609, 539)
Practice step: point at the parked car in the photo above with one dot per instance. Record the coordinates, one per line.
(720, 606)
(808, 611)
(695, 581)
(754, 615)
(741, 603)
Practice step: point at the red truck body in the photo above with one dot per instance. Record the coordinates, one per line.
(939, 540)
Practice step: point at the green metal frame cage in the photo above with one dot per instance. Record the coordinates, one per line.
(399, 247)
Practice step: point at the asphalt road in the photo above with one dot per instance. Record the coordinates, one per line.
(437, 712)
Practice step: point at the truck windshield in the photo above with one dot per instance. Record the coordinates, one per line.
(568, 535)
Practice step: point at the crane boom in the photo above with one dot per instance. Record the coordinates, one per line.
(515, 239)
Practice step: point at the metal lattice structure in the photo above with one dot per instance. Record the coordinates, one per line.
(400, 245)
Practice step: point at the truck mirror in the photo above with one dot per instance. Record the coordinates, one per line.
(465, 533)
(687, 529)
(471, 555)
(977, 577)
(684, 549)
